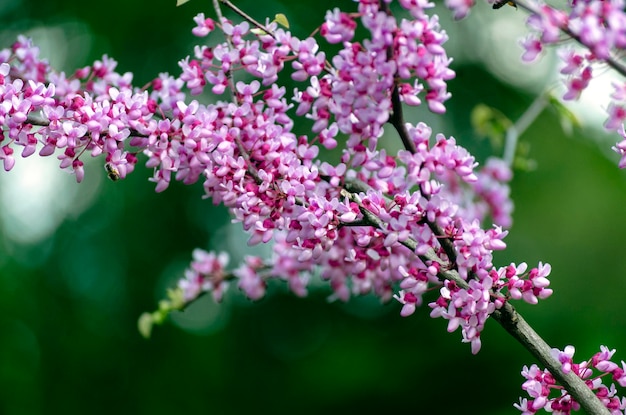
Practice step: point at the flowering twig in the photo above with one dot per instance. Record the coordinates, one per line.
(510, 320)
(536, 10)
(229, 73)
(519, 329)
(245, 16)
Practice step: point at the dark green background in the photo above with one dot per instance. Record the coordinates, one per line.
(68, 338)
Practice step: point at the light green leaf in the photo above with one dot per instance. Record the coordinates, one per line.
(144, 324)
(281, 19)
(490, 123)
(159, 316)
(176, 297)
(181, 2)
(522, 160)
(567, 118)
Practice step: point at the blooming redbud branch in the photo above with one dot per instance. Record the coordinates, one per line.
(352, 188)
(396, 225)
(513, 323)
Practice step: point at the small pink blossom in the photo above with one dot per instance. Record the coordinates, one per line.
(338, 27)
(204, 25)
(6, 155)
(460, 8)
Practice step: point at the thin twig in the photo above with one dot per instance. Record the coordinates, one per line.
(397, 120)
(519, 127)
(229, 73)
(245, 16)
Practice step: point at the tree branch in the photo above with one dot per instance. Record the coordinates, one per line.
(517, 129)
(517, 327)
(507, 316)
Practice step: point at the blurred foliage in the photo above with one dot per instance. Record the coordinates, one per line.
(491, 123)
(69, 304)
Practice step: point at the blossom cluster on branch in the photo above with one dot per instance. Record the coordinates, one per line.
(278, 189)
(599, 29)
(244, 151)
(540, 383)
(394, 225)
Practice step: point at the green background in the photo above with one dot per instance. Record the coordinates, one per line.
(69, 302)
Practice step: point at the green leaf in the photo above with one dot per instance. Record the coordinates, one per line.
(281, 19)
(144, 324)
(490, 123)
(480, 116)
(181, 2)
(176, 297)
(257, 31)
(567, 118)
(522, 160)
(175, 301)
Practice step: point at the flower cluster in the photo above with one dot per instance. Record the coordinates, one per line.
(540, 384)
(392, 224)
(599, 26)
(95, 110)
(469, 308)
(207, 273)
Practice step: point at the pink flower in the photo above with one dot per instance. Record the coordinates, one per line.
(250, 281)
(309, 62)
(6, 155)
(576, 84)
(338, 27)
(532, 48)
(79, 171)
(206, 274)
(204, 25)
(460, 8)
